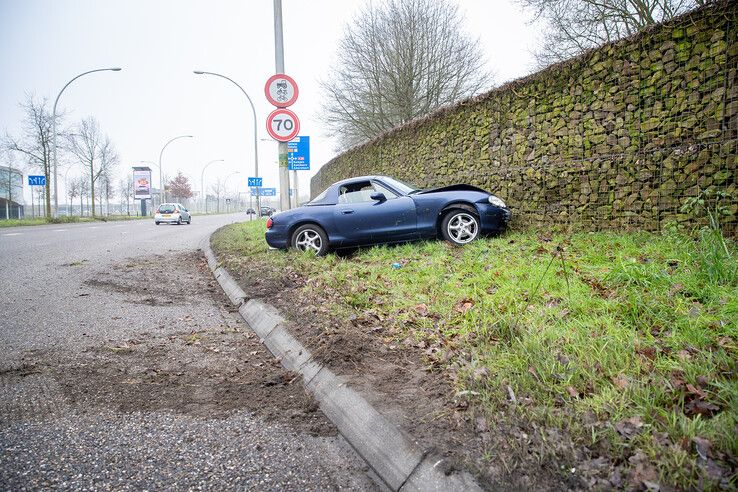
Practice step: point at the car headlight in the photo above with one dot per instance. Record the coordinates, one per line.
(497, 202)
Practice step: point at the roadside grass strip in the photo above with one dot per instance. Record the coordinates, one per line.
(627, 342)
(65, 219)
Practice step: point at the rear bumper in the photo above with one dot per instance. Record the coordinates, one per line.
(169, 220)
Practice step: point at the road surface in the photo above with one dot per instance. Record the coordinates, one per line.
(125, 368)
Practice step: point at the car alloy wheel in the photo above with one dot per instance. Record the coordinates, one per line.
(310, 238)
(460, 227)
(179, 221)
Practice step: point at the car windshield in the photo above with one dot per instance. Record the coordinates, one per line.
(320, 197)
(404, 188)
(166, 209)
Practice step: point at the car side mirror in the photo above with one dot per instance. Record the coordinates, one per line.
(378, 197)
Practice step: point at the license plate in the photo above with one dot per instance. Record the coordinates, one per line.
(167, 215)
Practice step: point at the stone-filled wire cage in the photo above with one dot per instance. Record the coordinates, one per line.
(618, 138)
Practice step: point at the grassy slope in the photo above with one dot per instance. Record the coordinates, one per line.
(627, 341)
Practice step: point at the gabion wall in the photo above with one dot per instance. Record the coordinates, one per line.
(617, 138)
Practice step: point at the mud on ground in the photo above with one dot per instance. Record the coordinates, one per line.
(205, 365)
(504, 454)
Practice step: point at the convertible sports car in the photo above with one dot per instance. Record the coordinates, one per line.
(377, 209)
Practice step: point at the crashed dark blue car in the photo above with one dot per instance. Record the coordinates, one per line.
(372, 210)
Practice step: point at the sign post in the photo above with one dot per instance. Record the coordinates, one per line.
(299, 160)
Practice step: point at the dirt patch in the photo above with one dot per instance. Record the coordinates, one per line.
(207, 374)
(503, 451)
(207, 364)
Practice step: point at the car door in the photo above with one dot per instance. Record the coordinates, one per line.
(362, 220)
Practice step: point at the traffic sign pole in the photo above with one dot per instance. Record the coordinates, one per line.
(284, 175)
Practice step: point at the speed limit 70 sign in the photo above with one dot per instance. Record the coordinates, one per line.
(283, 125)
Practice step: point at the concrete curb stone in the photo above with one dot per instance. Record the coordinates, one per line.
(397, 459)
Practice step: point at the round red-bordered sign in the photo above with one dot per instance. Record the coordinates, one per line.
(281, 90)
(283, 125)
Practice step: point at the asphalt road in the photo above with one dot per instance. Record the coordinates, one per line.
(123, 368)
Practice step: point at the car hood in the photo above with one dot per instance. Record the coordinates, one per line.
(456, 187)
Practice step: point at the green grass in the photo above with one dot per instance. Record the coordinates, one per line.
(587, 330)
(64, 219)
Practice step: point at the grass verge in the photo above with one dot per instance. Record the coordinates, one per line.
(626, 342)
(65, 219)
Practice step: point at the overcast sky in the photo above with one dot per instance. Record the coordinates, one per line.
(158, 43)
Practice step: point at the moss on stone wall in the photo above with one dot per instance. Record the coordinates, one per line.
(616, 138)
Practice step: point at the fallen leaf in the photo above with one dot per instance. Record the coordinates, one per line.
(629, 427)
(702, 446)
(620, 381)
(696, 391)
(700, 407)
(421, 309)
(572, 392)
(463, 306)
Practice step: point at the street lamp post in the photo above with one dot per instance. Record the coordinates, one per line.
(202, 182)
(253, 110)
(162, 194)
(53, 130)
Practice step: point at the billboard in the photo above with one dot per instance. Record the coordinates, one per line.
(141, 183)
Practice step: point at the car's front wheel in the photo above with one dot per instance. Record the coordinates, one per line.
(460, 227)
(310, 237)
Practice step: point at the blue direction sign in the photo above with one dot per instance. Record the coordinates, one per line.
(298, 154)
(264, 191)
(255, 182)
(36, 180)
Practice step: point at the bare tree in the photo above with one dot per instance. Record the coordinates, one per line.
(574, 26)
(95, 151)
(125, 191)
(218, 190)
(34, 141)
(74, 190)
(400, 59)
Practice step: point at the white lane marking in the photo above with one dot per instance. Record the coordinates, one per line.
(94, 227)
(60, 230)
(13, 234)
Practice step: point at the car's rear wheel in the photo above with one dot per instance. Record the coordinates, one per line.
(179, 220)
(460, 227)
(156, 223)
(310, 237)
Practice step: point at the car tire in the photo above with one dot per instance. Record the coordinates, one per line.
(310, 237)
(156, 223)
(179, 221)
(189, 221)
(460, 226)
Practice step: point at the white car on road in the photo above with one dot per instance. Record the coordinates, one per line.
(172, 213)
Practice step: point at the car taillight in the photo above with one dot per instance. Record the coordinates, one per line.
(270, 223)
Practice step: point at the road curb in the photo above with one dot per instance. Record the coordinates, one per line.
(393, 455)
